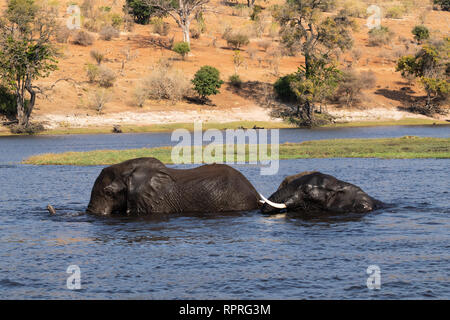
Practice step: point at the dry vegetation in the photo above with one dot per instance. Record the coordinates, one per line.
(128, 76)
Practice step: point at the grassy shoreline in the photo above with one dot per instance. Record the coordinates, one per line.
(160, 128)
(408, 147)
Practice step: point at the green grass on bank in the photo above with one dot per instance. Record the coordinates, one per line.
(228, 125)
(389, 148)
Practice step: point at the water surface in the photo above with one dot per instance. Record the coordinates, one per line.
(232, 256)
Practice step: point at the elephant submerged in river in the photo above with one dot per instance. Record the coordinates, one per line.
(317, 193)
(146, 186)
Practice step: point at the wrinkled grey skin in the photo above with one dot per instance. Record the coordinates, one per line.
(320, 193)
(146, 186)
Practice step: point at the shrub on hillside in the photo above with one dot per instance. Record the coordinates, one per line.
(102, 75)
(88, 8)
(140, 95)
(207, 82)
(264, 44)
(116, 20)
(91, 25)
(255, 15)
(83, 38)
(395, 12)
(354, 8)
(195, 33)
(380, 36)
(106, 77)
(160, 27)
(62, 34)
(165, 83)
(92, 72)
(236, 39)
(108, 32)
(235, 81)
(350, 88)
(420, 33)
(98, 56)
(182, 48)
(98, 99)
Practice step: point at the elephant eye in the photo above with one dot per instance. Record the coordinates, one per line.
(109, 191)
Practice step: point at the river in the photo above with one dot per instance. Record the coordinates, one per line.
(237, 256)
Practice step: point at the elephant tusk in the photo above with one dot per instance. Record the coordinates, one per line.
(273, 204)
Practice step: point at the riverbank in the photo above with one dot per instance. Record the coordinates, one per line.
(408, 147)
(168, 127)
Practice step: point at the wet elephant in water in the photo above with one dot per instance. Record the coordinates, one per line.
(315, 193)
(145, 186)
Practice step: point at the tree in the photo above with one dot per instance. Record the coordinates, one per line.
(207, 81)
(431, 65)
(312, 87)
(319, 38)
(444, 4)
(140, 10)
(26, 52)
(182, 11)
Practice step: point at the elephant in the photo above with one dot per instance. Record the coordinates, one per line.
(145, 186)
(316, 193)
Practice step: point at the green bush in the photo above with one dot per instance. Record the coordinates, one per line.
(283, 88)
(444, 4)
(182, 48)
(141, 11)
(235, 81)
(8, 104)
(207, 81)
(420, 33)
(92, 72)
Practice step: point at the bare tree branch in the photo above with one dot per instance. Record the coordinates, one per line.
(182, 13)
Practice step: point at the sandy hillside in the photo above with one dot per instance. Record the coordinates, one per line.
(68, 105)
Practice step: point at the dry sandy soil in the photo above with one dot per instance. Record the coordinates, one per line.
(67, 105)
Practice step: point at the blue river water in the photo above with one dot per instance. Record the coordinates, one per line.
(235, 256)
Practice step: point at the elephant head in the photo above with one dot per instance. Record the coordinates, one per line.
(318, 193)
(151, 191)
(109, 193)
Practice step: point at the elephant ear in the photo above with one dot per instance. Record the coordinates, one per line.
(148, 191)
